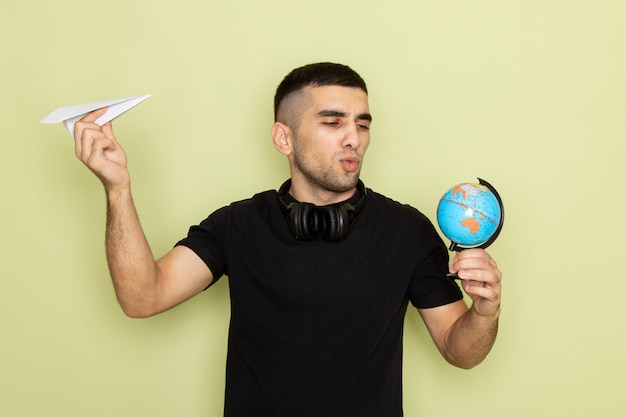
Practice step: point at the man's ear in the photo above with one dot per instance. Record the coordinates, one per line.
(282, 138)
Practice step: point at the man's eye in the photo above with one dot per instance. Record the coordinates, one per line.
(330, 123)
(363, 126)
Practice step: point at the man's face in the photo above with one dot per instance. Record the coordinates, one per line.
(331, 138)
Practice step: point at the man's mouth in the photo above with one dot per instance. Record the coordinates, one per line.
(350, 164)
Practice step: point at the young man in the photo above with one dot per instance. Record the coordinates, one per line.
(320, 272)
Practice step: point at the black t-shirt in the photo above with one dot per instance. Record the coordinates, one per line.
(316, 326)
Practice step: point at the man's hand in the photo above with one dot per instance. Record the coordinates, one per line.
(97, 148)
(480, 278)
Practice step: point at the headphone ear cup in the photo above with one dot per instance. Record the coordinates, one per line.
(303, 220)
(306, 221)
(337, 222)
(331, 223)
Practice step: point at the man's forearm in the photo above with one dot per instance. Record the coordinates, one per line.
(130, 259)
(471, 338)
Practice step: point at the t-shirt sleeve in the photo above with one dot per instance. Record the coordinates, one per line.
(429, 286)
(207, 241)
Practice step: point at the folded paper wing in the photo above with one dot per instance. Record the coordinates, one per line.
(69, 115)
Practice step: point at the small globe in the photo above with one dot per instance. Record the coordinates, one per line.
(470, 215)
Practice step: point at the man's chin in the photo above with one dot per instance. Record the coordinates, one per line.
(347, 183)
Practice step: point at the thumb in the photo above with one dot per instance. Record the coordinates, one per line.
(94, 115)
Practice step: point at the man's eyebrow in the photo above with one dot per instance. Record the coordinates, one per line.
(331, 113)
(365, 116)
(337, 113)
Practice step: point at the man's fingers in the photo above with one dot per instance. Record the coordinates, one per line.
(88, 122)
(473, 259)
(96, 147)
(107, 129)
(86, 131)
(92, 143)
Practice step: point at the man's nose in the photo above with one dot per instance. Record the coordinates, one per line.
(351, 137)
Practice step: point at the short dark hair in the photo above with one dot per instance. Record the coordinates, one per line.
(318, 74)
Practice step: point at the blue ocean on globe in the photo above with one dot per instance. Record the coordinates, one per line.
(469, 214)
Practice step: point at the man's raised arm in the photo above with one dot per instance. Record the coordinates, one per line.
(143, 286)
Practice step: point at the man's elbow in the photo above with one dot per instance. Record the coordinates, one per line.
(465, 364)
(467, 358)
(135, 310)
(136, 314)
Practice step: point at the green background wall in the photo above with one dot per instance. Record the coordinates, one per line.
(528, 94)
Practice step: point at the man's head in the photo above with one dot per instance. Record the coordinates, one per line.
(289, 99)
(322, 127)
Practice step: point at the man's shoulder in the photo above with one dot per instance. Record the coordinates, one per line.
(395, 213)
(260, 198)
(383, 202)
(261, 202)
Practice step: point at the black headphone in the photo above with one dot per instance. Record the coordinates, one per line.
(306, 221)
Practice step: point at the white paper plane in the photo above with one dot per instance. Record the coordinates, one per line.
(69, 115)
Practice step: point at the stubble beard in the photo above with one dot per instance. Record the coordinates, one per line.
(324, 179)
